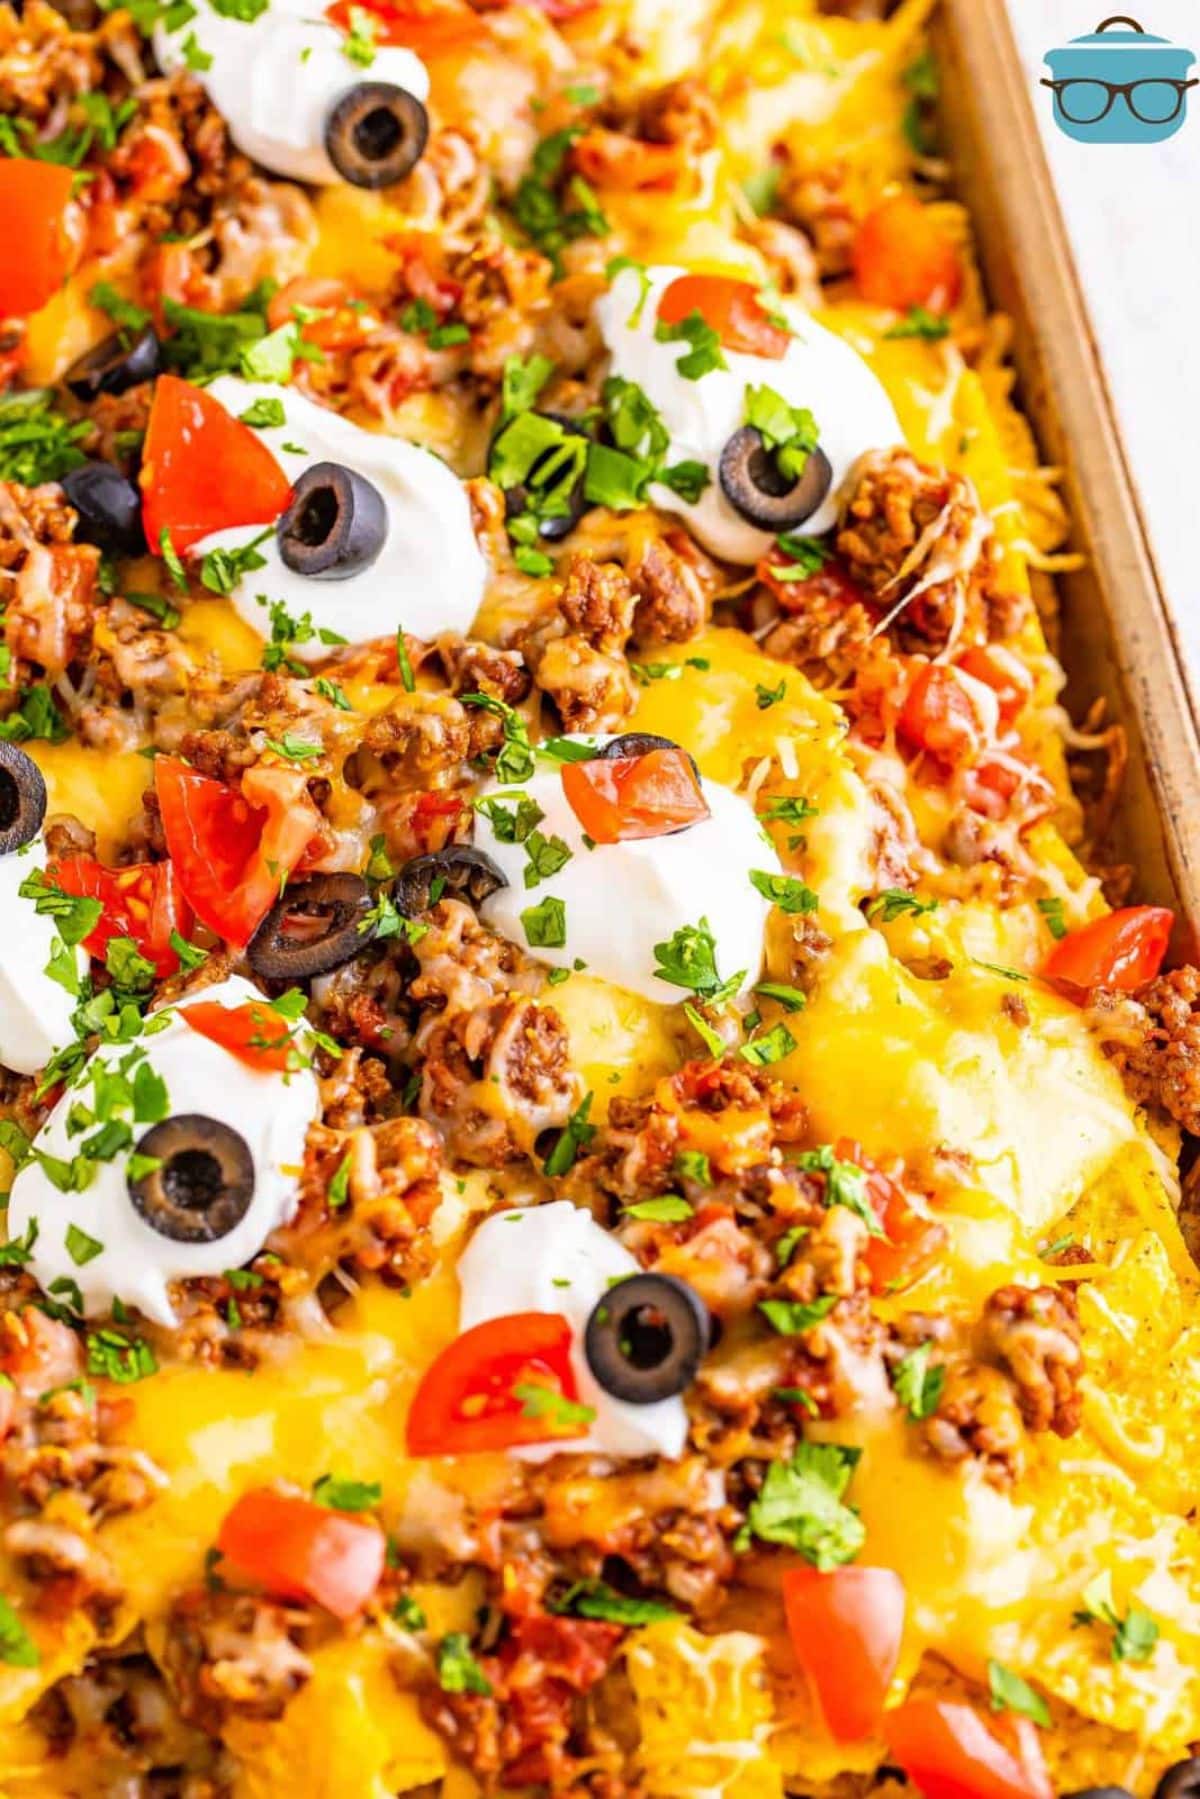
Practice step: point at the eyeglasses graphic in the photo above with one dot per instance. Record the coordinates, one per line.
(1152, 102)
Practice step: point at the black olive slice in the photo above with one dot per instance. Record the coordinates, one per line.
(1182, 1781)
(755, 487)
(109, 508)
(336, 524)
(317, 926)
(645, 1338)
(530, 494)
(22, 799)
(640, 743)
(465, 873)
(119, 363)
(376, 134)
(204, 1181)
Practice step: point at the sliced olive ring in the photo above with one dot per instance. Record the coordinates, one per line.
(336, 524)
(526, 497)
(761, 493)
(203, 1181)
(464, 872)
(109, 508)
(22, 799)
(640, 743)
(1182, 1781)
(646, 1337)
(376, 134)
(114, 366)
(317, 926)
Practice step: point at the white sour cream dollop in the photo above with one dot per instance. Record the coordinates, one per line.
(429, 575)
(621, 899)
(270, 1110)
(820, 371)
(556, 1258)
(35, 1010)
(275, 79)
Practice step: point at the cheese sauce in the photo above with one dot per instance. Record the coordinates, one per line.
(429, 575)
(819, 371)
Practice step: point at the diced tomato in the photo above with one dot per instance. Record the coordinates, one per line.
(467, 1400)
(430, 27)
(39, 227)
(297, 1549)
(846, 1628)
(42, 1354)
(1004, 673)
(614, 160)
(829, 589)
(950, 1751)
(1122, 950)
(903, 258)
(254, 1033)
(949, 714)
(233, 850)
(144, 901)
(341, 326)
(911, 1242)
(203, 470)
(634, 796)
(733, 308)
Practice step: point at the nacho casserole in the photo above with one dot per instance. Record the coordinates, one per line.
(592, 1131)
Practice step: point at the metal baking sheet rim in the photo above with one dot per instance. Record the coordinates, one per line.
(1119, 636)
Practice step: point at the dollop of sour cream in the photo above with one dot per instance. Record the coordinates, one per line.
(275, 79)
(271, 1110)
(820, 371)
(556, 1258)
(620, 900)
(35, 1008)
(429, 575)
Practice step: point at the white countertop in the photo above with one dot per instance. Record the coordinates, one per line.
(1133, 213)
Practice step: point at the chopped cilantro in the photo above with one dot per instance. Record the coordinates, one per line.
(457, 1669)
(669, 1208)
(17, 1647)
(772, 1046)
(1134, 1635)
(544, 857)
(919, 1382)
(1052, 911)
(704, 345)
(119, 1358)
(791, 1316)
(346, 1495)
(693, 1165)
(36, 716)
(576, 1135)
(785, 891)
(800, 1506)
(1009, 1693)
(897, 902)
(80, 1247)
(554, 1408)
(594, 1598)
(36, 442)
(515, 762)
(919, 322)
(546, 924)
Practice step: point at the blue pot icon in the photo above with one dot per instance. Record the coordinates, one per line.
(1120, 85)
